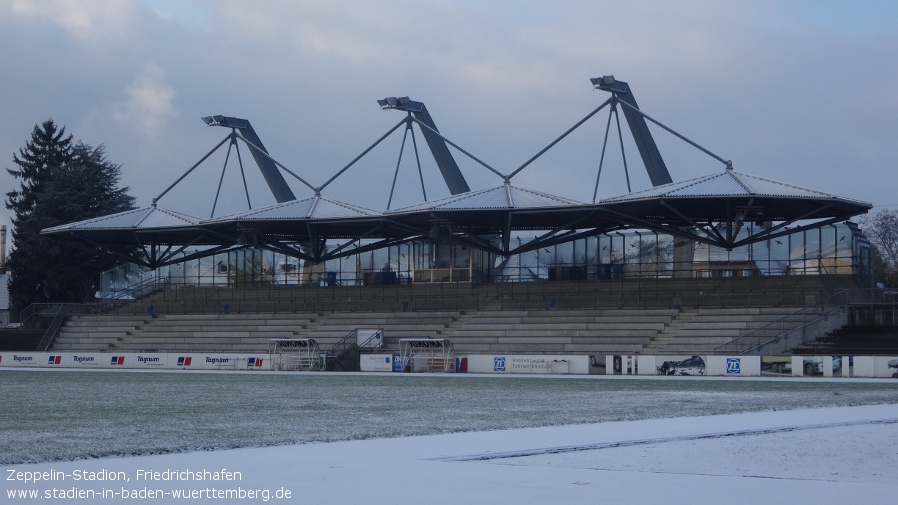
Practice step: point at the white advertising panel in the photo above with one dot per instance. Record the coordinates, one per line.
(257, 361)
(681, 365)
(530, 364)
(864, 366)
(733, 366)
(210, 361)
(183, 361)
(629, 364)
(376, 362)
(885, 366)
(147, 360)
(369, 339)
(82, 360)
(24, 359)
(645, 365)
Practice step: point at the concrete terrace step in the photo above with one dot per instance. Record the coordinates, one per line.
(586, 317)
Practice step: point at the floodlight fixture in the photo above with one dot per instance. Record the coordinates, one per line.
(225, 121)
(401, 103)
(609, 83)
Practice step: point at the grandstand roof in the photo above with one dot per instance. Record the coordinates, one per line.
(710, 209)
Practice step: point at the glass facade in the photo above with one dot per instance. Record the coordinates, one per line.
(833, 249)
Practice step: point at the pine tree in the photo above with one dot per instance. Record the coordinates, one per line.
(48, 148)
(61, 183)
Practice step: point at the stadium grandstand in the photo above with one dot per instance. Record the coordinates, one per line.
(728, 263)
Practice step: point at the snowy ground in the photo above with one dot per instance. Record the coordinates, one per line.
(844, 454)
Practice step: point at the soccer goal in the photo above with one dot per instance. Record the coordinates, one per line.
(294, 354)
(426, 355)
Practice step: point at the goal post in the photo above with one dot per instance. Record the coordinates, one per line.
(294, 354)
(426, 355)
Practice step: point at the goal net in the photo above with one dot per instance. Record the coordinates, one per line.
(294, 354)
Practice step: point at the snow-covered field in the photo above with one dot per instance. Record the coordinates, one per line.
(527, 439)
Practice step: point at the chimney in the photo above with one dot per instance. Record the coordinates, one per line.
(2, 247)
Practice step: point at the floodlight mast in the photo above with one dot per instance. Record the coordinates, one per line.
(455, 181)
(651, 156)
(279, 188)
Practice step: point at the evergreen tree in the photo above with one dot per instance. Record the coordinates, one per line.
(61, 183)
(48, 148)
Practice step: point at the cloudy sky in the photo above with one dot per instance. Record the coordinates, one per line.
(802, 92)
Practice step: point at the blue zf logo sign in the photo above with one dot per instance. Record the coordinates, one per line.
(733, 365)
(498, 364)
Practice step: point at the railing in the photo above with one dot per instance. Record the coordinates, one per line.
(120, 298)
(64, 310)
(310, 299)
(350, 343)
(135, 291)
(587, 294)
(343, 347)
(801, 319)
(57, 312)
(637, 293)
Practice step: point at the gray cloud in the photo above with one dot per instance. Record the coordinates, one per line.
(146, 104)
(803, 93)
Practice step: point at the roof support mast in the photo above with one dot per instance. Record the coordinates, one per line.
(651, 157)
(279, 188)
(455, 181)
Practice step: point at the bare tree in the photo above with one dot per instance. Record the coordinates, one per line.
(882, 230)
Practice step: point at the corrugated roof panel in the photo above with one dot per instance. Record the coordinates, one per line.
(161, 218)
(330, 209)
(729, 183)
(150, 217)
(314, 207)
(653, 192)
(761, 186)
(492, 198)
(711, 186)
(294, 209)
(526, 198)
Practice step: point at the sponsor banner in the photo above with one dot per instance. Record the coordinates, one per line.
(530, 364)
(821, 366)
(133, 360)
(734, 366)
(253, 362)
(23, 359)
(369, 339)
(376, 362)
(695, 365)
(217, 362)
(149, 360)
(81, 360)
(635, 364)
(811, 366)
(681, 365)
(183, 361)
(117, 361)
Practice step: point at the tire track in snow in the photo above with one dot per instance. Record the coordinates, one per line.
(660, 440)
